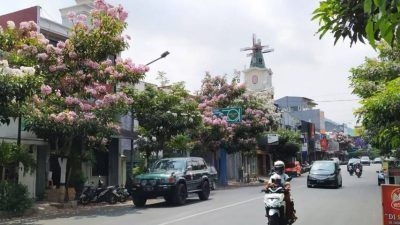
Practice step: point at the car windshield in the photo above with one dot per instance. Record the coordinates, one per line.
(354, 160)
(323, 166)
(364, 158)
(169, 164)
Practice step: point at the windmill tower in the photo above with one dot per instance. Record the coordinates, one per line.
(258, 78)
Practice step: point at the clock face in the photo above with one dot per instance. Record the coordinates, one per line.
(254, 79)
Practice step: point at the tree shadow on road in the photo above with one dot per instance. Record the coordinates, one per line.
(84, 212)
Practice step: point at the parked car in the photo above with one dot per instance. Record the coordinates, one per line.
(377, 160)
(293, 169)
(174, 179)
(324, 173)
(365, 160)
(213, 177)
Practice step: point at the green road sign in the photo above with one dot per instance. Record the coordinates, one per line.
(234, 115)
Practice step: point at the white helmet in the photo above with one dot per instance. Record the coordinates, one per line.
(279, 167)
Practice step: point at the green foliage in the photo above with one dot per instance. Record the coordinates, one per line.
(179, 145)
(11, 154)
(377, 83)
(14, 198)
(163, 113)
(288, 146)
(375, 20)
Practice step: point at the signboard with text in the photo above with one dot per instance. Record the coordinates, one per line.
(391, 204)
(233, 115)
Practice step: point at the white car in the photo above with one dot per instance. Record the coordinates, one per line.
(335, 159)
(377, 160)
(365, 160)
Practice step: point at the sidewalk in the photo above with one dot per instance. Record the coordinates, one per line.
(49, 210)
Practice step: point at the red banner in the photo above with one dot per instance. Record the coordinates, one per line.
(391, 204)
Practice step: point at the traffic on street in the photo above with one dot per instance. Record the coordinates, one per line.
(356, 203)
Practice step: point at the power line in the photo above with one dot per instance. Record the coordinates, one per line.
(338, 100)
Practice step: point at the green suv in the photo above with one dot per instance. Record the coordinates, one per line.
(174, 179)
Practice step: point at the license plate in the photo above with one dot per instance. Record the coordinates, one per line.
(148, 188)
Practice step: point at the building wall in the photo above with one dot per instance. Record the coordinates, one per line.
(262, 82)
(313, 116)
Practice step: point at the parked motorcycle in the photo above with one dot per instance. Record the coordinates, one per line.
(381, 177)
(99, 194)
(123, 193)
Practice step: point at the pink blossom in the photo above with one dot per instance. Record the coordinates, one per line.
(82, 17)
(122, 16)
(60, 45)
(88, 116)
(58, 51)
(96, 23)
(72, 55)
(43, 56)
(58, 93)
(24, 25)
(109, 70)
(49, 48)
(33, 25)
(71, 15)
(45, 89)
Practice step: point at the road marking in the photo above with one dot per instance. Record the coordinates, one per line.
(209, 211)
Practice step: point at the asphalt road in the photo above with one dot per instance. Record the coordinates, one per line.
(358, 202)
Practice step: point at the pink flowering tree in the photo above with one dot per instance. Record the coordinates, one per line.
(257, 116)
(79, 101)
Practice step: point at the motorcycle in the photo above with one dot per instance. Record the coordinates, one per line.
(381, 177)
(350, 169)
(99, 194)
(358, 172)
(275, 205)
(123, 193)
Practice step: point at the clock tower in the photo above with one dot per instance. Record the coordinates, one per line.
(258, 78)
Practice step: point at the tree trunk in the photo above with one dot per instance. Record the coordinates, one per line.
(66, 197)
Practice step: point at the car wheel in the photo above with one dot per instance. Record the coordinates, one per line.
(139, 201)
(205, 191)
(337, 183)
(180, 194)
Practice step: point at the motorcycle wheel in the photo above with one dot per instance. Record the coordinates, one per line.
(123, 198)
(112, 199)
(273, 220)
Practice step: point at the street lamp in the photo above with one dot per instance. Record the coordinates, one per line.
(162, 56)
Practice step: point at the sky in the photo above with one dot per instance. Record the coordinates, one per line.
(206, 36)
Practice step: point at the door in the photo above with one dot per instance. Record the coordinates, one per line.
(189, 175)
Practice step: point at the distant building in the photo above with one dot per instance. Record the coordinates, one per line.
(303, 109)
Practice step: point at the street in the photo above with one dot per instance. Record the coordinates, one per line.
(356, 203)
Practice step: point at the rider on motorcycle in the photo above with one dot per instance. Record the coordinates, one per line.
(279, 169)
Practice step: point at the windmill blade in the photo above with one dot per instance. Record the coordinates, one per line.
(254, 39)
(268, 50)
(246, 49)
(250, 54)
